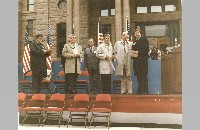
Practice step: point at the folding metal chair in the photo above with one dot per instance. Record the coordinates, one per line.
(35, 107)
(102, 107)
(59, 81)
(26, 82)
(55, 107)
(82, 82)
(21, 103)
(79, 108)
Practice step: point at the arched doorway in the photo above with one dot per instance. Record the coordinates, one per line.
(61, 38)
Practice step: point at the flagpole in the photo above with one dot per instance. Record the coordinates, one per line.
(126, 23)
(73, 26)
(98, 31)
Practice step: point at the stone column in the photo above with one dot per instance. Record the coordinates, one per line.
(84, 22)
(69, 18)
(132, 21)
(76, 17)
(180, 32)
(126, 12)
(113, 34)
(42, 17)
(118, 19)
(179, 6)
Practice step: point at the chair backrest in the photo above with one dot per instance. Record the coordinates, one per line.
(21, 99)
(81, 97)
(38, 97)
(84, 73)
(61, 73)
(29, 73)
(103, 101)
(21, 96)
(57, 97)
(81, 101)
(38, 100)
(57, 100)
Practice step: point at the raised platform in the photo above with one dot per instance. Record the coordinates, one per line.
(138, 103)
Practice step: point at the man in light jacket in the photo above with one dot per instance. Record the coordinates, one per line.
(124, 63)
(72, 52)
(105, 54)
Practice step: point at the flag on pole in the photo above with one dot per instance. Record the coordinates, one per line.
(49, 46)
(26, 55)
(128, 29)
(100, 34)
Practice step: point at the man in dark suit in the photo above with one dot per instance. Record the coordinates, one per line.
(91, 63)
(38, 54)
(140, 49)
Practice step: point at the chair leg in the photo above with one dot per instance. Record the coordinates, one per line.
(68, 122)
(24, 120)
(59, 123)
(90, 121)
(108, 122)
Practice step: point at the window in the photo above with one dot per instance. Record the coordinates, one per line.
(170, 8)
(112, 11)
(30, 5)
(156, 9)
(107, 7)
(141, 10)
(104, 12)
(30, 27)
(156, 30)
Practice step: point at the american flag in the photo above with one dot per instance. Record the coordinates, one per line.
(100, 34)
(49, 46)
(26, 56)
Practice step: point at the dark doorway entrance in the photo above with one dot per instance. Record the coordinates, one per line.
(61, 38)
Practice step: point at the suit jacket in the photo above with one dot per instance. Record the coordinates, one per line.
(105, 66)
(38, 59)
(90, 59)
(122, 54)
(67, 52)
(141, 62)
(142, 46)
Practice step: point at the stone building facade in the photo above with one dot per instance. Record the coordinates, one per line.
(81, 17)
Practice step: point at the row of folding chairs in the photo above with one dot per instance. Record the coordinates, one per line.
(39, 107)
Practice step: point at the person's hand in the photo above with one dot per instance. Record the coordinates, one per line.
(48, 51)
(77, 55)
(73, 55)
(61, 66)
(134, 54)
(108, 58)
(128, 77)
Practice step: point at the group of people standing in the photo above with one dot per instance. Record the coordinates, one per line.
(98, 61)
